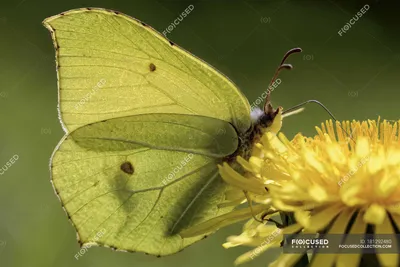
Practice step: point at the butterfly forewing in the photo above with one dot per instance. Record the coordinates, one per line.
(110, 65)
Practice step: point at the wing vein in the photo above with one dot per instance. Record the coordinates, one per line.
(154, 147)
(103, 51)
(194, 200)
(120, 111)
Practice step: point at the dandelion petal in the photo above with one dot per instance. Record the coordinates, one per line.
(386, 259)
(346, 260)
(375, 214)
(320, 220)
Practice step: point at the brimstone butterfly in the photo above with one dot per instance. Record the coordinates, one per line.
(146, 125)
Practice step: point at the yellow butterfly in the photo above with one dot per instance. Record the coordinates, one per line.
(146, 124)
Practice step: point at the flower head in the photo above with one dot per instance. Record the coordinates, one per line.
(335, 182)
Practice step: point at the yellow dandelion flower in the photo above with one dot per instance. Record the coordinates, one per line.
(331, 183)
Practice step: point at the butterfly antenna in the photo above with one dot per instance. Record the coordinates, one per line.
(299, 106)
(277, 71)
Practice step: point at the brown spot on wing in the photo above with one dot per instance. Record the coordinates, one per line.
(127, 167)
(152, 67)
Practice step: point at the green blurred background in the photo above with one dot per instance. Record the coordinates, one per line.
(354, 75)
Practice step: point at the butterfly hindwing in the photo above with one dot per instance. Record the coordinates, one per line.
(141, 192)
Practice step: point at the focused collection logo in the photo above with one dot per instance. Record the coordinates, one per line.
(310, 243)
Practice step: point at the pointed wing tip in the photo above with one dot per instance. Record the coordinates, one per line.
(46, 23)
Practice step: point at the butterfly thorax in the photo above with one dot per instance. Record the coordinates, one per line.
(261, 121)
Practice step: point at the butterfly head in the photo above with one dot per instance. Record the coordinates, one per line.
(266, 120)
(270, 121)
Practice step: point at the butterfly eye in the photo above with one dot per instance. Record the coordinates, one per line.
(127, 167)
